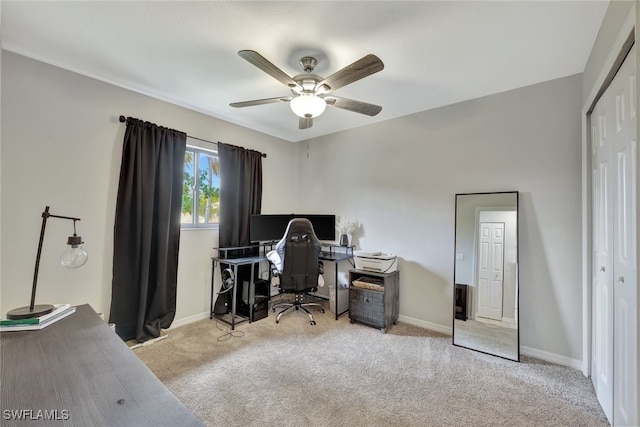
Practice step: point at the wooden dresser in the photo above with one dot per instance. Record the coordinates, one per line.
(377, 306)
(78, 372)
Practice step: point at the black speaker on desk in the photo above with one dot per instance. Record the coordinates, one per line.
(260, 306)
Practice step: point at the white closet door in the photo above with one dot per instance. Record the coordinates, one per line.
(625, 364)
(615, 318)
(602, 351)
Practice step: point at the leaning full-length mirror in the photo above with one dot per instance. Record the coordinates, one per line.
(485, 302)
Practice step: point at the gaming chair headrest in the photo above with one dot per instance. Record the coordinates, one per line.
(297, 227)
(300, 226)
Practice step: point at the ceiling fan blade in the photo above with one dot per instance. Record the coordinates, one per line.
(261, 62)
(260, 101)
(305, 122)
(352, 105)
(363, 67)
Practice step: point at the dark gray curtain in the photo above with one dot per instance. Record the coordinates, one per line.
(240, 196)
(147, 230)
(240, 193)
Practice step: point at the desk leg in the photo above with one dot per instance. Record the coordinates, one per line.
(252, 292)
(338, 313)
(234, 294)
(213, 272)
(336, 265)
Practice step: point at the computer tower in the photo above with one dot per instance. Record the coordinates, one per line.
(243, 274)
(260, 307)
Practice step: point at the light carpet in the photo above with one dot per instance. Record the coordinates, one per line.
(342, 374)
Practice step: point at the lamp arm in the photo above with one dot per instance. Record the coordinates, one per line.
(58, 216)
(45, 216)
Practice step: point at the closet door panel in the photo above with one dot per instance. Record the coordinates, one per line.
(602, 351)
(624, 145)
(625, 291)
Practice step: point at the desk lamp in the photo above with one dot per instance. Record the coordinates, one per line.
(74, 257)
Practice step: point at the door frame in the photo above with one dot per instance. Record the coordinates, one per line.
(619, 50)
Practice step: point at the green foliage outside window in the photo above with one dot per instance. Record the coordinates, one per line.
(201, 188)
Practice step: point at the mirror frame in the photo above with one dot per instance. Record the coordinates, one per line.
(517, 275)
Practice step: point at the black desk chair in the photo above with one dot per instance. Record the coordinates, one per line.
(298, 250)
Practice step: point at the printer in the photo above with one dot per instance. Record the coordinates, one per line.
(379, 262)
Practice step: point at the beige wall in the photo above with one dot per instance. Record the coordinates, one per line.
(61, 147)
(399, 178)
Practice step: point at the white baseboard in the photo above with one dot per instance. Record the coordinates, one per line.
(426, 325)
(551, 357)
(150, 342)
(188, 320)
(510, 322)
(525, 351)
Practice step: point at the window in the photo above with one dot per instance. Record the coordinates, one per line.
(201, 188)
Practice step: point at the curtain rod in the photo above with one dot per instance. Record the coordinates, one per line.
(123, 119)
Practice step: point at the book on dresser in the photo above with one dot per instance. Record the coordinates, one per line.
(60, 311)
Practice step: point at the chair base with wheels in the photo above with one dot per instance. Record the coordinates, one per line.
(297, 304)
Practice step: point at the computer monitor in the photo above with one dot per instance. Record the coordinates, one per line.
(264, 228)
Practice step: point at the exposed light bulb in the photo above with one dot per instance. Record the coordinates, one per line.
(308, 105)
(75, 256)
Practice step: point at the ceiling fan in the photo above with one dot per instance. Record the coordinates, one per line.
(310, 94)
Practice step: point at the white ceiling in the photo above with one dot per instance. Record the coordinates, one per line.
(435, 53)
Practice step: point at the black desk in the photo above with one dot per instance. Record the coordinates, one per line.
(79, 369)
(234, 263)
(330, 253)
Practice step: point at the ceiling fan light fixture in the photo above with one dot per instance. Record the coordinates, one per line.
(311, 93)
(308, 105)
